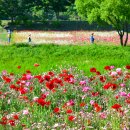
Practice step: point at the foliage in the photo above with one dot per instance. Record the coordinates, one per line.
(115, 13)
(53, 56)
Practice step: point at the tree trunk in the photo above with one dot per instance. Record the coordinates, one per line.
(126, 39)
(12, 20)
(121, 39)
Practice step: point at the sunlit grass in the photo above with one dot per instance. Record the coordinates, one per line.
(53, 56)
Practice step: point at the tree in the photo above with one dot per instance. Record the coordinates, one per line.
(56, 5)
(113, 12)
(13, 8)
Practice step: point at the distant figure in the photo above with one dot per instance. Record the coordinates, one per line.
(9, 35)
(92, 38)
(29, 38)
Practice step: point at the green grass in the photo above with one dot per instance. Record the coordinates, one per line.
(53, 56)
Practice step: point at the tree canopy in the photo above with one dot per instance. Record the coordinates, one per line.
(113, 12)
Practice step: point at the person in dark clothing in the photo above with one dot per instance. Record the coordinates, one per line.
(29, 38)
(92, 38)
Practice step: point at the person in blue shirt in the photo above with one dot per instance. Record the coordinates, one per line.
(92, 38)
(9, 35)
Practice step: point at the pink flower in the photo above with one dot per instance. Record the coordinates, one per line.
(85, 89)
(103, 115)
(123, 94)
(128, 95)
(28, 76)
(118, 70)
(27, 84)
(122, 85)
(82, 82)
(43, 90)
(4, 72)
(71, 80)
(113, 73)
(25, 112)
(92, 102)
(112, 67)
(70, 103)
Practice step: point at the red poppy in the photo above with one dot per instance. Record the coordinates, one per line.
(41, 101)
(107, 68)
(28, 71)
(82, 104)
(18, 67)
(128, 67)
(93, 70)
(50, 85)
(12, 122)
(94, 94)
(51, 73)
(98, 109)
(16, 117)
(107, 86)
(56, 110)
(102, 78)
(47, 77)
(116, 106)
(71, 118)
(127, 101)
(98, 73)
(6, 79)
(69, 111)
(36, 65)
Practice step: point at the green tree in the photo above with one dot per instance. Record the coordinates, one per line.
(56, 5)
(13, 8)
(113, 12)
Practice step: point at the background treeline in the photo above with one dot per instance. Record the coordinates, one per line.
(38, 10)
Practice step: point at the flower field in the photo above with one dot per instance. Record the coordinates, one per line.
(66, 37)
(66, 100)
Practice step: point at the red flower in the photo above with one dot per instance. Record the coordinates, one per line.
(93, 70)
(47, 77)
(36, 65)
(28, 71)
(51, 73)
(50, 85)
(127, 101)
(12, 122)
(107, 86)
(116, 106)
(102, 78)
(98, 73)
(69, 111)
(16, 117)
(128, 67)
(56, 110)
(41, 102)
(18, 67)
(6, 79)
(98, 109)
(82, 104)
(95, 94)
(107, 68)
(71, 118)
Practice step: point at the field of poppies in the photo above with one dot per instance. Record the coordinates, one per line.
(67, 37)
(66, 99)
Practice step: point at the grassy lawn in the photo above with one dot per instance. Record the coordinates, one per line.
(53, 56)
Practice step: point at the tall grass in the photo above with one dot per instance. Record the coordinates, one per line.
(52, 56)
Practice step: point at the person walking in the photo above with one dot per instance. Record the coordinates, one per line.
(92, 38)
(9, 35)
(29, 38)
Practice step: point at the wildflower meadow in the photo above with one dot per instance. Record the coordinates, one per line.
(66, 99)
